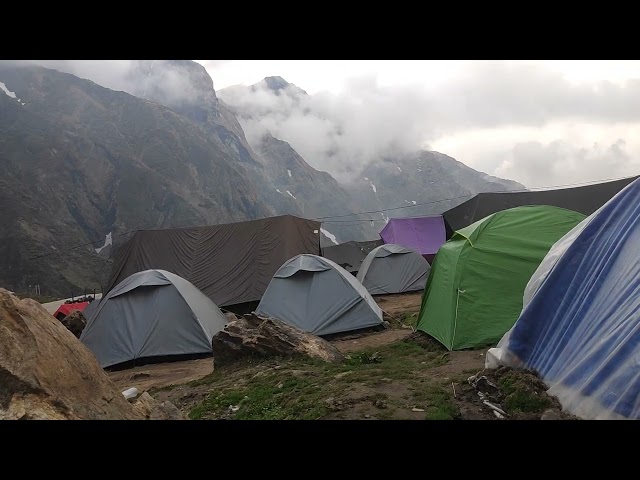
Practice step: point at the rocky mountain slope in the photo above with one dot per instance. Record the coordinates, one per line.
(419, 182)
(297, 187)
(78, 161)
(186, 87)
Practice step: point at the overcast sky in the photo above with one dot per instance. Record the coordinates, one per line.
(541, 123)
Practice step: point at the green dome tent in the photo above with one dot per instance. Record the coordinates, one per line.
(474, 292)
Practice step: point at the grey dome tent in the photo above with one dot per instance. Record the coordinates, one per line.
(393, 269)
(153, 313)
(318, 296)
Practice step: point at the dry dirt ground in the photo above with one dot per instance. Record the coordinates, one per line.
(393, 374)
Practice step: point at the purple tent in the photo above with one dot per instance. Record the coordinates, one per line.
(422, 234)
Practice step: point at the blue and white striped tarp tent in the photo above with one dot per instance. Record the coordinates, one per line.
(581, 329)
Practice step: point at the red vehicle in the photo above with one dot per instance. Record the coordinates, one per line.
(66, 308)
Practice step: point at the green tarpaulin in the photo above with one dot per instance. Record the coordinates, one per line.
(474, 291)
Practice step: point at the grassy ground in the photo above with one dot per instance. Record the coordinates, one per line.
(388, 376)
(390, 382)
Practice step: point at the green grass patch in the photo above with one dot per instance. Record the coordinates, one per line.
(524, 393)
(288, 399)
(286, 389)
(437, 401)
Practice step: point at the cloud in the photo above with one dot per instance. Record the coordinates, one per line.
(212, 63)
(112, 74)
(491, 95)
(336, 133)
(169, 82)
(340, 132)
(549, 155)
(535, 163)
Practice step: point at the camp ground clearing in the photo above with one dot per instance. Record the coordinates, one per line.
(512, 307)
(391, 374)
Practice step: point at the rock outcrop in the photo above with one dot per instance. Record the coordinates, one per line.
(48, 374)
(252, 335)
(75, 322)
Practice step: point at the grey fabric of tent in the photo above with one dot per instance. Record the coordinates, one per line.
(318, 296)
(88, 311)
(393, 269)
(149, 314)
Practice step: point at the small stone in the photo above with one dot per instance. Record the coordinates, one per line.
(551, 414)
(367, 416)
(380, 404)
(280, 385)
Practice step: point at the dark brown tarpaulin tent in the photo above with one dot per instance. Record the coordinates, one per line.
(586, 200)
(232, 263)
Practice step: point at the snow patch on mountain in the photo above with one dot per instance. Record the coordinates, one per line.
(10, 94)
(108, 240)
(329, 235)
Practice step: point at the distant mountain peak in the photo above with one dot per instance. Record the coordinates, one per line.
(277, 85)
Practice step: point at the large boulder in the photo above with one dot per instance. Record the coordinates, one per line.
(75, 322)
(252, 335)
(47, 373)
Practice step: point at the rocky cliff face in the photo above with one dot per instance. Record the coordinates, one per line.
(417, 183)
(298, 187)
(78, 161)
(269, 163)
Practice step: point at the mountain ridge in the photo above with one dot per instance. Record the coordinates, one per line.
(75, 154)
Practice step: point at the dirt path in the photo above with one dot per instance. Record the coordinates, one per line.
(371, 340)
(401, 304)
(162, 374)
